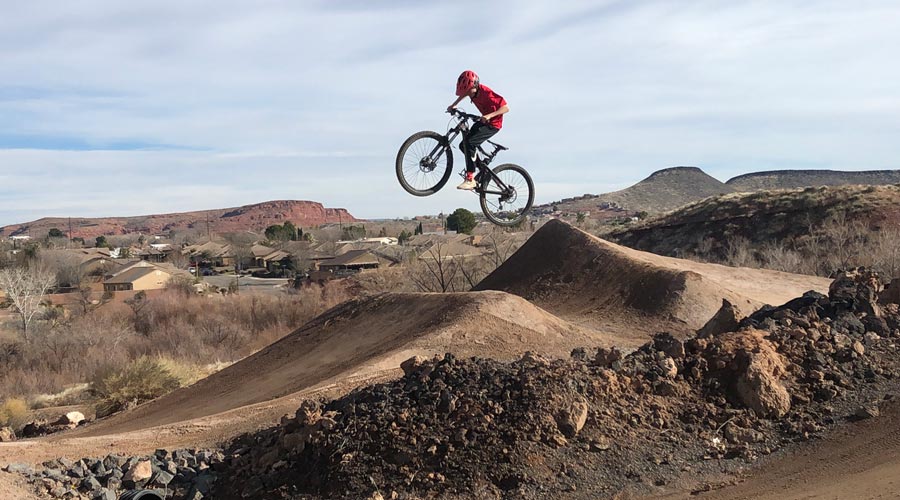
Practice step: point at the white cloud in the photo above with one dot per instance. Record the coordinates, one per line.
(244, 102)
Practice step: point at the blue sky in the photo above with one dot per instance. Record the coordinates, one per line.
(128, 108)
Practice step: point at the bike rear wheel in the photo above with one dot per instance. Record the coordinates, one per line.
(506, 203)
(424, 163)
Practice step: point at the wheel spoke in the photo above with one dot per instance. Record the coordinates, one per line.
(510, 207)
(419, 169)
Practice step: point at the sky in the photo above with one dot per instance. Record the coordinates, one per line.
(111, 108)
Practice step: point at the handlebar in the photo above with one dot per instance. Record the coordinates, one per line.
(463, 114)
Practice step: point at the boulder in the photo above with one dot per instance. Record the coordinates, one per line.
(856, 290)
(758, 385)
(726, 319)
(891, 293)
(412, 365)
(7, 434)
(606, 357)
(72, 419)
(570, 420)
(138, 474)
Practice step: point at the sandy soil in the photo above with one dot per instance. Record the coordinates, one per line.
(859, 461)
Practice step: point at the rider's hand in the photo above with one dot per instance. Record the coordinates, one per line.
(450, 109)
(485, 119)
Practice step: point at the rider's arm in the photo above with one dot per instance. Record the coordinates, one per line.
(460, 98)
(500, 111)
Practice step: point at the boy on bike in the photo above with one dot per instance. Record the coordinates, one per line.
(492, 107)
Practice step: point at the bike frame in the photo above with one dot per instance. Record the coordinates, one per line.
(462, 126)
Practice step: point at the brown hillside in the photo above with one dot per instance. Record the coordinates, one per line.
(667, 189)
(761, 217)
(364, 337)
(256, 217)
(791, 179)
(593, 282)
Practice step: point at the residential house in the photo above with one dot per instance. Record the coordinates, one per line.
(350, 262)
(138, 277)
(211, 253)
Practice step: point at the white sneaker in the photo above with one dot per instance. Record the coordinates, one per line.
(468, 185)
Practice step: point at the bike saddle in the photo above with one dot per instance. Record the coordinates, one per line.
(498, 146)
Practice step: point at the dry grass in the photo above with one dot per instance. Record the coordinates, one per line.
(121, 388)
(13, 413)
(190, 334)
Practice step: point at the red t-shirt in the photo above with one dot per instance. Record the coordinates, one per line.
(488, 101)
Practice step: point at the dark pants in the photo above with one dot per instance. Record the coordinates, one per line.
(479, 133)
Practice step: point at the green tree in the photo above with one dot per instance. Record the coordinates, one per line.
(282, 232)
(461, 221)
(101, 242)
(579, 218)
(55, 233)
(419, 229)
(382, 233)
(404, 237)
(290, 230)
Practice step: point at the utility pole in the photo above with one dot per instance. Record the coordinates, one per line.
(69, 240)
(208, 234)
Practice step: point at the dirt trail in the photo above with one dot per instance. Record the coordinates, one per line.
(859, 461)
(629, 293)
(360, 338)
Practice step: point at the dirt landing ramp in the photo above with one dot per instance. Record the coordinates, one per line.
(363, 337)
(593, 282)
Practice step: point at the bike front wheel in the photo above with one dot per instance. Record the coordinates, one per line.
(507, 197)
(424, 163)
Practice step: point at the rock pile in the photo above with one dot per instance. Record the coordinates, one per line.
(37, 428)
(598, 422)
(182, 474)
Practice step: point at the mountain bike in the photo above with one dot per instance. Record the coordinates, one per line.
(425, 161)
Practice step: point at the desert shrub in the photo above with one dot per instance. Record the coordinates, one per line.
(118, 389)
(193, 331)
(181, 285)
(13, 413)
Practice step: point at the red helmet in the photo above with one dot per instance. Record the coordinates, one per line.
(466, 81)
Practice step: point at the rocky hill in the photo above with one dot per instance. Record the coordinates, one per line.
(789, 179)
(668, 189)
(761, 217)
(256, 217)
(672, 188)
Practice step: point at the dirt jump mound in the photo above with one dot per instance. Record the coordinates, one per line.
(362, 338)
(597, 425)
(593, 282)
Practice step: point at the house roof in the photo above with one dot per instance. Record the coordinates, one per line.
(261, 250)
(132, 274)
(276, 256)
(353, 257)
(211, 248)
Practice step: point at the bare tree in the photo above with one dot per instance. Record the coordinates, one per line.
(64, 265)
(501, 246)
(25, 288)
(435, 271)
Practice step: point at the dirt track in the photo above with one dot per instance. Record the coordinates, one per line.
(633, 294)
(859, 461)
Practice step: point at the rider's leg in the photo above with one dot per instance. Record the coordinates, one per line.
(479, 133)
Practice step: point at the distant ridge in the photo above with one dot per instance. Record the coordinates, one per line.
(256, 217)
(668, 189)
(791, 179)
(672, 188)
